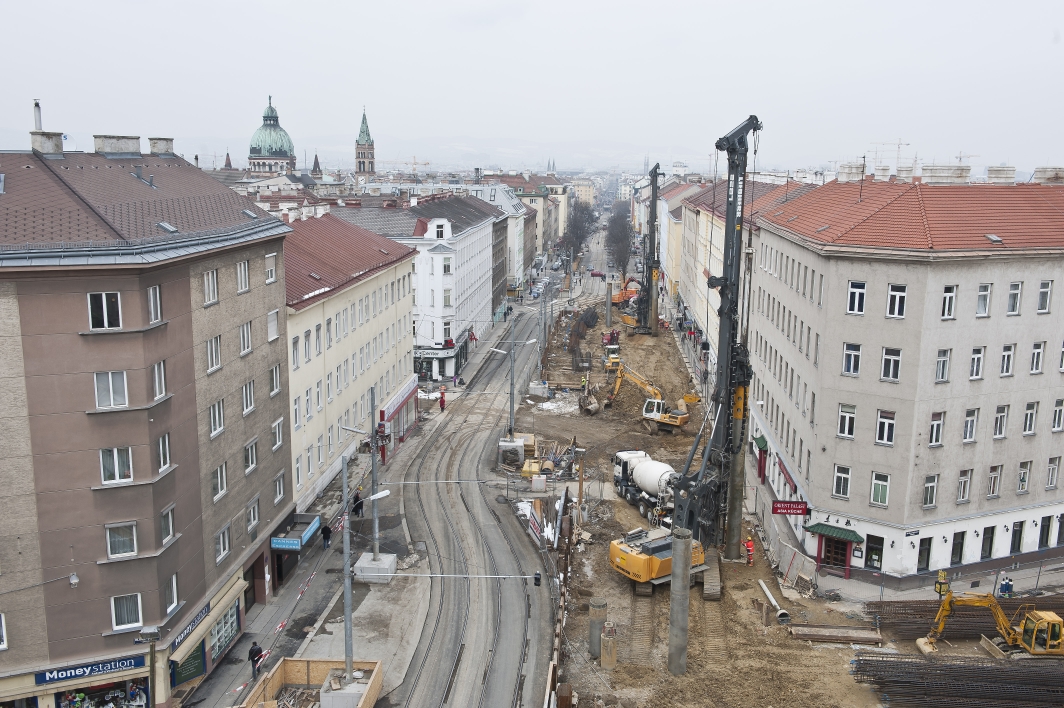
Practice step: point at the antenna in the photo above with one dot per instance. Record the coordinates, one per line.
(864, 168)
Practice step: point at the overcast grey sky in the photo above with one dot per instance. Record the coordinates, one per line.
(590, 84)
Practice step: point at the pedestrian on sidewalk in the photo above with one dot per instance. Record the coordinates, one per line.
(253, 656)
(357, 506)
(326, 535)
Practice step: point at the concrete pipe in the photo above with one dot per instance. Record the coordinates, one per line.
(597, 616)
(782, 616)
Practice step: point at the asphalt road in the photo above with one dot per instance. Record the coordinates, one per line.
(486, 641)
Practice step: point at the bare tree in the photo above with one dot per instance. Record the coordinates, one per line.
(619, 241)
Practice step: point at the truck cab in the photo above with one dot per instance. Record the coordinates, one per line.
(624, 463)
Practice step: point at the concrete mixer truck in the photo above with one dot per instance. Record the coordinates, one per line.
(644, 483)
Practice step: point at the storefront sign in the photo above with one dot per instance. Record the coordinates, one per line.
(90, 670)
(435, 353)
(912, 533)
(191, 667)
(791, 508)
(309, 533)
(183, 634)
(534, 527)
(285, 544)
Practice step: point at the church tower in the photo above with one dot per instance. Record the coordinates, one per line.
(366, 164)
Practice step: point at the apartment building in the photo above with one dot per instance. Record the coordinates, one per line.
(145, 450)
(349, 322)
(909, 371)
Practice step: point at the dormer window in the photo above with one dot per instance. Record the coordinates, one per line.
(439, 230)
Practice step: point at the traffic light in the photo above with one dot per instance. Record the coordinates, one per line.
(537, 579)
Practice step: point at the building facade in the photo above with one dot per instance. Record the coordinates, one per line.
(909, 372)
(146, 469)
(349, 318)
(365, 157)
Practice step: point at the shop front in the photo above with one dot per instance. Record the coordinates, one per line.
(835, 546)
(114, 683)
(207, 636)
(292, 536)
(397, 418)
(443, 363)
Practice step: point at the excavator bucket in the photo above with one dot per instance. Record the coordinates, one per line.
(589, 404)
(926, 646)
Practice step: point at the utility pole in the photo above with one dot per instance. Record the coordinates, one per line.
(373, 471)
(513, 346)
(346, 516)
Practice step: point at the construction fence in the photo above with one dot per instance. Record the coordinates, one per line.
(794, 567)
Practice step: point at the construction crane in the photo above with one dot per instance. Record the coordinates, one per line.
(1038, 633)
(412, 163)
(657, 414)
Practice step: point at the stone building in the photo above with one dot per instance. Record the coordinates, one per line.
(272, 152)
(365, 160)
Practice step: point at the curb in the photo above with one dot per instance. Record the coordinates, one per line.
(317, 625)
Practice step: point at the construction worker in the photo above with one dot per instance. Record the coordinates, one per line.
(583, 384)
(749, 550)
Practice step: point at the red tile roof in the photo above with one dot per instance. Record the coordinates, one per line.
(921, 217)
(339, 253)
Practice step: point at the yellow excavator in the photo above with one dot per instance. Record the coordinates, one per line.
(646, 558)
(1038, 633)
(657, 414)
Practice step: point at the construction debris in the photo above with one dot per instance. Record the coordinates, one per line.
(836, 633)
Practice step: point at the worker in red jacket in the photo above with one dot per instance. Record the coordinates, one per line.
(749, 550)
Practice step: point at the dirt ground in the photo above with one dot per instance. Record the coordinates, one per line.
(733, 660)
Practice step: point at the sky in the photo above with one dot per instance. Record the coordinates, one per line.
(591, 85)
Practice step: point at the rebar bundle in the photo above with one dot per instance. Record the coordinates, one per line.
(960, 682)
(913, 618)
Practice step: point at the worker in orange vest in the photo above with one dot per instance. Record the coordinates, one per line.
(749, 550)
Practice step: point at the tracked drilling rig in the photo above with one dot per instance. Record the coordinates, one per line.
(647, 300)
(708, 493)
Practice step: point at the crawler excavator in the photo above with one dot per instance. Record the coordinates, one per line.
(1030, 632)
(657, 413)
(708, 494)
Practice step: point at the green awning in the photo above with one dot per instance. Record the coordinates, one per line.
(761, 442)
(835, 532)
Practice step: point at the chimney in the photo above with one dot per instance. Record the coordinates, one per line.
(196, 158)
(1048, 175)
(161, 146)
(413, 201)
(46, 143)
(117, 145)
(37, 115)
(1001, 175)
(851, 172)
(946, 174)
(882, 173)
(905, 174)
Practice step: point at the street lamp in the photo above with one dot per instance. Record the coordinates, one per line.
(513, 346)
(150, 635)
(348, 640)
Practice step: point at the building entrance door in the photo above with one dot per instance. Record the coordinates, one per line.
(835, 552)
(874, 552)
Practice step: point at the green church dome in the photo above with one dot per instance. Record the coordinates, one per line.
(271, 140)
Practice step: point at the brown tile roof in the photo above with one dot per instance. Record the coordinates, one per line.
(339, 253)
(86, 197)
(922, 217)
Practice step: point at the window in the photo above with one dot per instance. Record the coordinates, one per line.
(217, 417)
(164, 451)
(295, 353)
(242, 285)
(934, 438)
(956, 555)
(1001, 419)
(121, 540)
(170, 594)
(842, 482)
(976, 369)
(847, 417)
(105, 311)
(166, 524)
(971, 417)
(891, 364)
(275, 379)
(446, 297)
(942, 366)
(328, 333)
(885, 428)
(949, 297)
(816, 352)
(306, 346)
(439, 230)
(331, 441)
(855, 303)
(896, 301)
(295, 413)
(1024, 479)
(225, 630)
(446, 330)
(219, 483)
(251, 515)
(155, 304)
(221, 545)
(930, 490)
(251, 456)
(964, 485)
(214, 353)
(210, 287)
(298, 471)
(271, 327)
(1058, 415)
(1014, 298)
(1045, 288)
(116, 465)
(248, 396)
(851, 359)
(1007, 353)
(1030, 414)
(111, 389)
(317, 394)
(1017, 537)
(159, 379)
(982, 300)
(271, 267)
(328, 386)
(278, 434)
(446, 266)
(1036, 357)
(880, 488)
(321, 449)
(317, 339)
(993, 481)
(245, 338)
(125, 611)
(1052, 472)
(309, 406)
(278, 488)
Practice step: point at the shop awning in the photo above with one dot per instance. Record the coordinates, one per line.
(219, 605)
(761, 442)
(835, 532)
(787, 475)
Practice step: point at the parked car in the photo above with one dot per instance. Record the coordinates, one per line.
(597, 274)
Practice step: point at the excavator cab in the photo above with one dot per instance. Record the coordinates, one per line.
(1041, 634)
